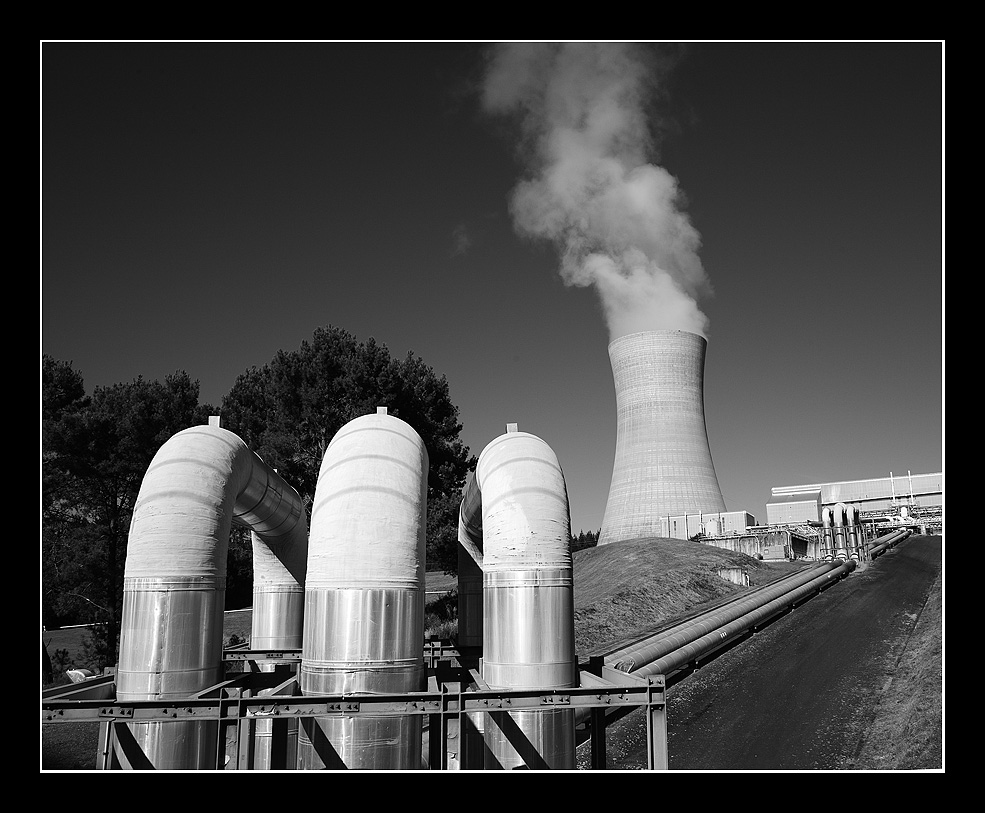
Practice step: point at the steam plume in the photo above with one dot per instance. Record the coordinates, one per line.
(615, 219)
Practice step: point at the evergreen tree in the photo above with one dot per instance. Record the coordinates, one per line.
(95, 452)
(289, 410)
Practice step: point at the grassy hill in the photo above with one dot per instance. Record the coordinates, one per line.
(626, 590)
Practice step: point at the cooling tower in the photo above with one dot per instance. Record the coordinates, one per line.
(663, 464)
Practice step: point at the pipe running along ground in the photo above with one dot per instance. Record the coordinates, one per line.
(200, 483)
(514, 519)
(722, 632)
(640, 653)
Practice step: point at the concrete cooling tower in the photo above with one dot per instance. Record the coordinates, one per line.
(663, 464)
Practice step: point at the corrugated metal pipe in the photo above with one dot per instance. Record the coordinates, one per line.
(364, 594)
(722, 631)
(515, 512)
(202, 481)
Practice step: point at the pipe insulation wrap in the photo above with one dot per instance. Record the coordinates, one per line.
(200, 481)
(470, 519)
(525, 519)
(527, 595)
(368, 508)
(364, 593)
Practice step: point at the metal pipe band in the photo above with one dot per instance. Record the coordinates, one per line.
(277, 615)
(363, 641)
(174, 638)
(541, 577)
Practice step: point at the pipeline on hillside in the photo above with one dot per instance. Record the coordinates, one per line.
(722, 632)
(887, 542)
(669, 651)
(632, 657)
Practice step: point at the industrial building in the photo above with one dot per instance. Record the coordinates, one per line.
(916, 499)
(687, 526)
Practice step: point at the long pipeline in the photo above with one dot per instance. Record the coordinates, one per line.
(201, 482)
(640, 653)
(879, 546)
(722, 632)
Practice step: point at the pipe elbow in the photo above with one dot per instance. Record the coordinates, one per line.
(370, 507)
(525, 514)
(201, 481)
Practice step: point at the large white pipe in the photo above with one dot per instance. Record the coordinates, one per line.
(528, 597)
(199, 483)
(364, 594)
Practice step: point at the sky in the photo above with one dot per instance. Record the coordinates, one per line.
(503, 210)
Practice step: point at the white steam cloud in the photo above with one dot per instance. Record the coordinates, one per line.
(615, 218)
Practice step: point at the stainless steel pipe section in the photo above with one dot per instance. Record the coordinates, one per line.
(722, 632)
(840, 538)
(200, 482)
(528, 597)
(639, 654)
(470, 566)
(364, 594)
(278, 621)
(852, 519)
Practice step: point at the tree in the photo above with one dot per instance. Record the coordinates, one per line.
(289, 410)
(585, 539)
(95, 452)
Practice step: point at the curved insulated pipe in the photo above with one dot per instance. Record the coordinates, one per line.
(199, 483)
(518, 505)
(840, 540)
(470, 567)
(364, 594)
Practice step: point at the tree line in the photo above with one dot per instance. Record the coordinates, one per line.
(96, 448)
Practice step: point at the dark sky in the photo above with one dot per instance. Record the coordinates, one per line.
(204, 205)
